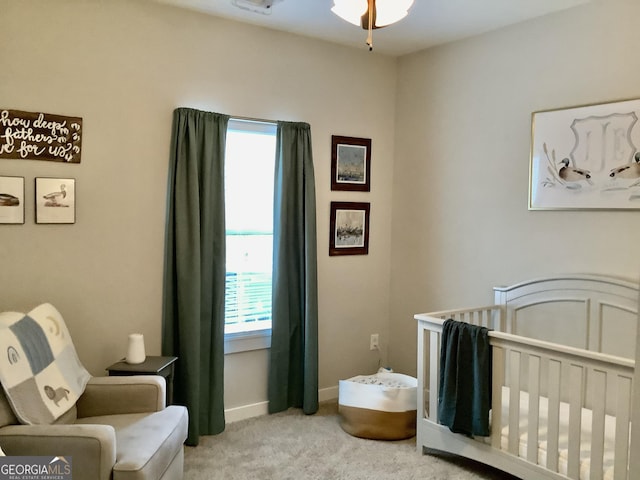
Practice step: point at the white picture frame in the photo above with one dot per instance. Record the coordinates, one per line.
(586, 157)
(55, 200)
(11, 200)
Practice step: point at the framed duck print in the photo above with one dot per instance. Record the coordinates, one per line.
(55, 200)
(11, 200)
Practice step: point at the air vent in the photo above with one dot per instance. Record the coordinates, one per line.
(257, 6)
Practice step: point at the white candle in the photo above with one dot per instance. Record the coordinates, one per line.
(135, 349)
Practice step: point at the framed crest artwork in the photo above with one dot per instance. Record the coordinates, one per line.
(350, 164)
(586, 157)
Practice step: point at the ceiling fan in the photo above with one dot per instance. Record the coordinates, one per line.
(371, 14)
(368, 14)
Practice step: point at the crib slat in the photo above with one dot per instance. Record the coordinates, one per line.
(623, 417)
(434, 377)
(553, 375)
(534, 408)
(575, 420)
(514, 402)
(497, 379)
(421, 374)
(498, 319)
(597, 423)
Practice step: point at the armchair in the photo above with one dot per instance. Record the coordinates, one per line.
(119, 429)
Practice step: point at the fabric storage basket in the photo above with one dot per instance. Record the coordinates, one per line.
(380, 406)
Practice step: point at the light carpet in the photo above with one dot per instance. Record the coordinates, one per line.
(291, 445)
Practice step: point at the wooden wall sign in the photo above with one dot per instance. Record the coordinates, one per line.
(40, 136)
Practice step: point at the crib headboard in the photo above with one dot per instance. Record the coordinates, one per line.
(593, 312)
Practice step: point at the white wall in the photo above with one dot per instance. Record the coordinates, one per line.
(123, 66)
(450, 153)
(460, 218)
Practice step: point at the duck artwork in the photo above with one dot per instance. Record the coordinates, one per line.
(572, 175)
(565, 172)
(53, 198)
(598, 157)
(629, 171)
(7, 200)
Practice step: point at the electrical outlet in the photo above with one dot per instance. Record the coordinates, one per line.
(373, 343)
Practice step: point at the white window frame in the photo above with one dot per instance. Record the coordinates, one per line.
(260, 338)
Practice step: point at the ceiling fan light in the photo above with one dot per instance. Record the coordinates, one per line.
(350, 10)
(391, 11)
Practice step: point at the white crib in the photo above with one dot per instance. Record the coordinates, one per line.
(563, 363)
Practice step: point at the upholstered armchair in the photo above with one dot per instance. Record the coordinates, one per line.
(118, 429)
(113, 428)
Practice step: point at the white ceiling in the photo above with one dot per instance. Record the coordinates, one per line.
(429, 23)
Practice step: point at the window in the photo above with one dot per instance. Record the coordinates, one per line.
(249, 173)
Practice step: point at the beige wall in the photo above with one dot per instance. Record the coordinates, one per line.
(450, 153)
(460, 217)
(123, 66)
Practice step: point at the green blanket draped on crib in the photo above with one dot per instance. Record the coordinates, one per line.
(464, 398)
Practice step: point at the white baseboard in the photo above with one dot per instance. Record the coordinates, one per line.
(262, 408)
(325, 394)
(246, 411)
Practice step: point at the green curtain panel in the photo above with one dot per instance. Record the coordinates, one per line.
(194, 279)
(293, 369)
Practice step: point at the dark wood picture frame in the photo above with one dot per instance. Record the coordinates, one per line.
(350, 164)
(349, 228)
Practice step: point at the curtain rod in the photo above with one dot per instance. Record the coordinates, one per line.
(251, 119)
(234, 117)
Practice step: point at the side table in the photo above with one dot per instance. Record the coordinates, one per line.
(163, 366)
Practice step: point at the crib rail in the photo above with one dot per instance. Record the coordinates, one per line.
(490, 316)
(587, 385)
(578, 378)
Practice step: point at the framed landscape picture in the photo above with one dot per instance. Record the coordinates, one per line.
(12, 200)
(350, 164)
(349, 228)
(55, 200)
